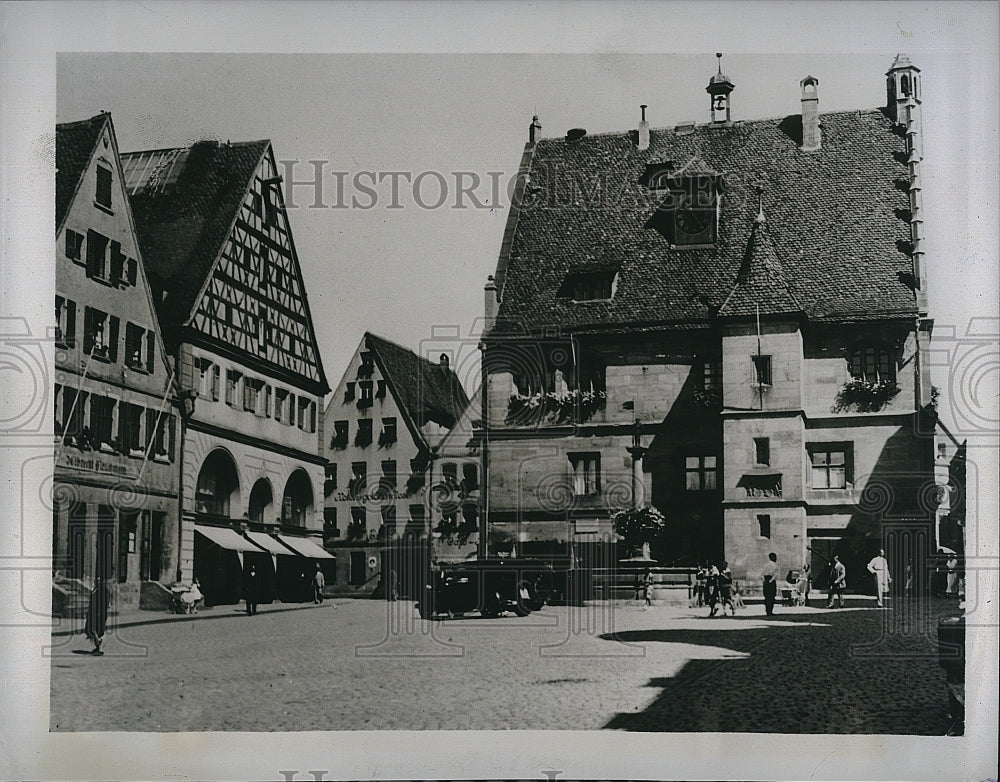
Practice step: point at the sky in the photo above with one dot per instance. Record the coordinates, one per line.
(403, 264)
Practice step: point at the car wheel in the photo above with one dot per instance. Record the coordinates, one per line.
(491, 607)
(525, 599)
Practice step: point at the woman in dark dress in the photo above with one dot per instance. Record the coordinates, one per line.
(97, 614)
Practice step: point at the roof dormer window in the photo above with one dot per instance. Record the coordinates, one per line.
(589, 286)
(688, 215)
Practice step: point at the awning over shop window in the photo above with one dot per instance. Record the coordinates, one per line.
(269, 544)
(226, 538)
(305, 547)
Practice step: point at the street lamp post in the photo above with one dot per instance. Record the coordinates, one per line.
(637, 451)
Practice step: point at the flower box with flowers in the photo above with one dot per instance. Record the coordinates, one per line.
(573, 406)
(865, 396)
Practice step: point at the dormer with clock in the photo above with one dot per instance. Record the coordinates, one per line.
(688, 216)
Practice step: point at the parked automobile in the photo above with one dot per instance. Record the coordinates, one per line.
(490, 586)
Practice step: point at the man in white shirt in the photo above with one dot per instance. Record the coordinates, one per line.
(879, 567)
(770, 587)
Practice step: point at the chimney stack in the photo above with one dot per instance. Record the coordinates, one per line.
(534, 130)
(643, 129)
(811, 134)
(490, 302)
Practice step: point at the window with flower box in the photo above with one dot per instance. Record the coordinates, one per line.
(364, 436)
(100, 334)
(330, 479)
(97, 249)
(365, 399)
(359, 479)
(872, 362)
(102, 414)
(140, 344)
(340, 435)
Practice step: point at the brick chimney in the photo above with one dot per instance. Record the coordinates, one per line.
(534, 130)
(811, 134)
(643, 129)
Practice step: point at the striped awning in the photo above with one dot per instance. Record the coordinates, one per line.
(305, 547)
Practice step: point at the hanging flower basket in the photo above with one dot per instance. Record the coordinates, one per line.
(865, 396)
(554, 408)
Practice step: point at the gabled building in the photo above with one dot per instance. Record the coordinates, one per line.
(115, 510)
(235, 317)
(382, 424)
(737, 308)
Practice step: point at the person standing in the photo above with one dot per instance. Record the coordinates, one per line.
(770, 587)
(646, 587)
(726, 589)
(712, 589)
(252, 591)
(97, 614)
(952, 579)
(319, 581)
(699, 586)
(908, 584)
(879, 567)
(838, 580)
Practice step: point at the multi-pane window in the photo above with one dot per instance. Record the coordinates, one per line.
(100, 334)
(139, 347)
(388, 434)
(74, 245)
(102, 413)
(872, 362)
(365, 387)
(389, 474)
(251, 394)
(97, 247)
(161, 427)
(330, 481)
(103, 195)
(364, 435)
(700, 473)
(762, 450)
(830, 466)
(65, 321)
(761, 370)
(359, 478)
(232, 386)
(711, 374)
(585, 471)
(129, 423)
(340, 435)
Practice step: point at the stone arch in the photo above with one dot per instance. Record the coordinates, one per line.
(261, 504)
(297, 499)
(217, 492)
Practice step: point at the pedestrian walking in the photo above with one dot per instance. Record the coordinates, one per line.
(699, 585)
(838, 580)
(252, 590)
(97, 614)
(319, 581)
(770, 587)
(726, 589)
(803, 585)
(712, 590)
(879, 567)
(952, 579)
(645, 587)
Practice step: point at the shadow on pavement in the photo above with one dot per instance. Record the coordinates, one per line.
(809, 678)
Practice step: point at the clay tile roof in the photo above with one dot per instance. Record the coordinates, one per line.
(837, 218)
(761, 285)
(75, 142)
(424, 391)
(181, 229)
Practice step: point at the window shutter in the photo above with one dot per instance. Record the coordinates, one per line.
(216, 375)
(150, 349)
(150, 426)
(169, 435)
(103, 196)
(117, 263)
(267, 401)
(132, 270)
(113, 338)
(312, 416)
(69, 336)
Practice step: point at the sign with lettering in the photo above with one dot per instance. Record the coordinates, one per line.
(93, 463)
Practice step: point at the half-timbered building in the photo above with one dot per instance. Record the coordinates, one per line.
(726, 320)
(235, 316)
(115, 507)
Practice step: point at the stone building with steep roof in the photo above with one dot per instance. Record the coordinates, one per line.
(743, 302)
(383, 424)
(115, 481)
(235, 317)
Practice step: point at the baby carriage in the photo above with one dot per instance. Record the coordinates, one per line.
(186, 598)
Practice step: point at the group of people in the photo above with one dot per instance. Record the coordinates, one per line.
(715, 588)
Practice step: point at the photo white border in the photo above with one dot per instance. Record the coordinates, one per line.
(31, 34)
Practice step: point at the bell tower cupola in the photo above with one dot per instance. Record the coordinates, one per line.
(902, 82)
(719, 88)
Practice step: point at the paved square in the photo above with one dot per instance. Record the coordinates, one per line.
(365, 664)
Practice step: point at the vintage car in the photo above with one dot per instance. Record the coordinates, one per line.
(490, 586)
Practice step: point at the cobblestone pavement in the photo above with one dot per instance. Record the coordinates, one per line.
(356, 664)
